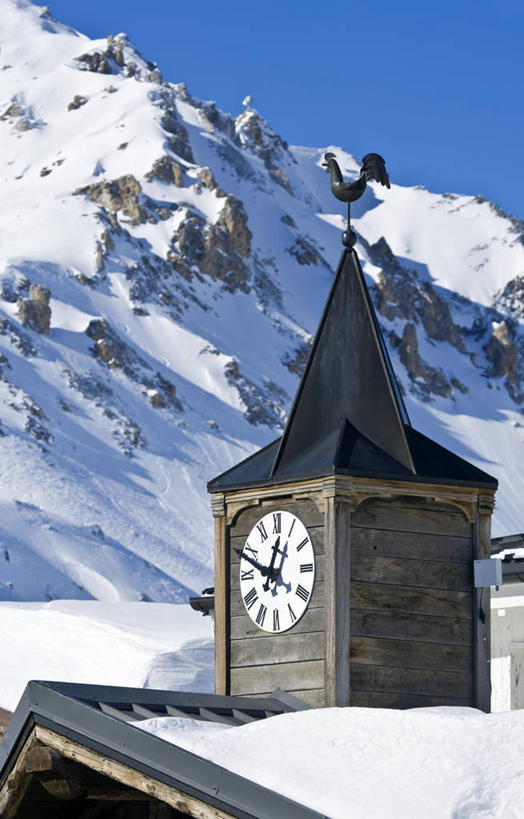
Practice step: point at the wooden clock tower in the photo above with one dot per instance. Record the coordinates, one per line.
(344, 550)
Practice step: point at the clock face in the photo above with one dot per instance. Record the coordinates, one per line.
(277, 571)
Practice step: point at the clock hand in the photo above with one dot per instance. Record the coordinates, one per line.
(271, 572)
(278, 576)
(264, 571)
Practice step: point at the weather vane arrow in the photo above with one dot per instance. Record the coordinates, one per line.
(373, 167)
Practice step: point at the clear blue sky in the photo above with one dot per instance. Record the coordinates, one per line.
(435, 87)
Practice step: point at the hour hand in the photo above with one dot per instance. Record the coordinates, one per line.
(264, 571)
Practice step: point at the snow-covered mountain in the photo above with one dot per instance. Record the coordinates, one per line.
(162, 268)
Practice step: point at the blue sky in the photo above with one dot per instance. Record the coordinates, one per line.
(435, 87)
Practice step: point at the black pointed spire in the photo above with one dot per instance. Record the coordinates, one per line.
(348, 416)
(348, 381)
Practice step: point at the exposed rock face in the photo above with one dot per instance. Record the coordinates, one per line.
(96, 62)
(426, 380)
(110, 349)
(263, 406)
(296, 363)
(118, 195)
(232, 224)
(304, 252)
(254, 132)
(217, 250)
(35, 311)
(113, 351)
(511, 299)
(77, 102)
(18, 338)
(501, 351)
(166, 170)
(178, 139)
(205, 176)
(401, 294)
(504, 351)
(103, 247)
(19, 116)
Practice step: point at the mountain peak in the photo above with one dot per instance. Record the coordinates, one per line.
(184, 256)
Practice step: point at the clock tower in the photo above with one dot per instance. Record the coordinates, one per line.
(344, 550)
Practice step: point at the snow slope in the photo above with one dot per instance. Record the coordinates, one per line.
(432, 762)
(187, 254)
(151, 645)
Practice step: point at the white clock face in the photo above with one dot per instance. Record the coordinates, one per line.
(277, 571)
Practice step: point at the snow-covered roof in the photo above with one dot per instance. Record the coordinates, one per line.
(362, 763)
(105, 719)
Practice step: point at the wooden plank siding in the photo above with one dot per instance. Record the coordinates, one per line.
(294, 660)
(411, 604)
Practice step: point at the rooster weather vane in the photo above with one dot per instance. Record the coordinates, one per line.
(373, 167)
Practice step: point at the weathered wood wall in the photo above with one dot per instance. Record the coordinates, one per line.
(411, 604)
(294, 661)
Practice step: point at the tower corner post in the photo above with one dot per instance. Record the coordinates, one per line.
(218, 507)
(482, 605)
(338, 598)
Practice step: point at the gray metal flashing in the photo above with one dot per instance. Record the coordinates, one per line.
(498, 544)
(229, 484)
(73, 711)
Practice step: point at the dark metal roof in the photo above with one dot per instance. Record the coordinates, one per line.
(348, 376)
(348, 416)
(104, 718)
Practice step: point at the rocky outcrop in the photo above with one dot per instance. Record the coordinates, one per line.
(166, 170)
(18, 116)
(76, 102)
(304, 252)
(205, 175)
(178, 139)
(502, 352)
(254, 133)
(505, 353)
(232, 225)
(18, 338)
(113, 351)
(103, 247)
(120, 194)
(511, 298)
(426, 380)
(296, 361)
(96, 61)
(263, 406)
(218, 250)
(35, 311)
(402, 294)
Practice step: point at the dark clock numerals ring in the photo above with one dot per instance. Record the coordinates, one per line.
(277, 571)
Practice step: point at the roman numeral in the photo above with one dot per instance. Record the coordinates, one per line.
(277, 522)
(302, 592)
(306, 567)
(289, 533)
(261, 615)
(301, 545)
(276, 620)
(292, 613)
(262, 529)
(247, 575)
(251, 598)
(247, 548)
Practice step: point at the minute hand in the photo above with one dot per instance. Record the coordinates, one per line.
(264, 571)
(271, 571)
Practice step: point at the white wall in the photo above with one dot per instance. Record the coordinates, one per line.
(507, 648)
